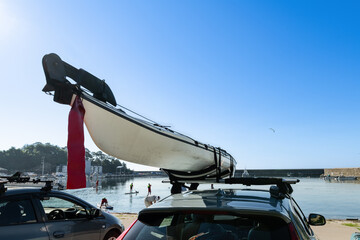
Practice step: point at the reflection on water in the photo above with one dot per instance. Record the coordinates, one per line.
(114, 182)
(333, 199)
(341, 180)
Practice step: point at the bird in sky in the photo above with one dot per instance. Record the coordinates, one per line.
(272, 129)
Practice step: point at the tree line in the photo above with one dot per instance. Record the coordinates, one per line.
(29, 159)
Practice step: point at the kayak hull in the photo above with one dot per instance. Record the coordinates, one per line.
(134, 140)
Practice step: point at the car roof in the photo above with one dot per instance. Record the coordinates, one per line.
(240, 201)
(17, 191)
(11, 191)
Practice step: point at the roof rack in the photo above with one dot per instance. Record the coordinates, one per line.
(17, 178)
(283, 185)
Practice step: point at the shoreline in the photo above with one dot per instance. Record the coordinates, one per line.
(334, 229)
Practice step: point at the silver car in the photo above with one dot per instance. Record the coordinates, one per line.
(33, 213)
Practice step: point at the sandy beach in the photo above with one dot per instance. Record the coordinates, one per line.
(337, 229)
(126, 218)
(333, 230)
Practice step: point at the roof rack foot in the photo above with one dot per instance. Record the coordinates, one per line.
(194, 186)
(176, 187)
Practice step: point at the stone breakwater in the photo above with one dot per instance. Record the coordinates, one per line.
(346, 172)
(332, 172)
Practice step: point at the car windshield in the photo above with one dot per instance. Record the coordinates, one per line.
(207, 225)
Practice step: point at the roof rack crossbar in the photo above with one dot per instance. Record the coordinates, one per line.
(242, 180)
(283, 184)
(17, 178)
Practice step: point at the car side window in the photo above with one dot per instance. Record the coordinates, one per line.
(300, 215)
(57, 208)
(16, 212)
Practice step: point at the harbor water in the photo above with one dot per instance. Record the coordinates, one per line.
(333, 199)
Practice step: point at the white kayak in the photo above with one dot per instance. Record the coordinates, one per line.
(134, 140)
(130, 138)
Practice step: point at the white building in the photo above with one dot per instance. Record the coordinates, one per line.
(96, 170)
(61, 170)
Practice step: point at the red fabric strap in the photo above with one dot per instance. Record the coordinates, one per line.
(76, 150)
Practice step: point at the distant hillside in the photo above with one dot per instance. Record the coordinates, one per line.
(29, 158)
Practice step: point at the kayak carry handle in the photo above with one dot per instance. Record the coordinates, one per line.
(56, 72)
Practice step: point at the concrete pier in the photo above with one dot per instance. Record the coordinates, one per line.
(282, 172)
(346, 172)
(332, 172)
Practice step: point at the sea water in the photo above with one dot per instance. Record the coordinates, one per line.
(334, 200)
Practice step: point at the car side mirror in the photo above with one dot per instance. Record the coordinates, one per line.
(316, 219)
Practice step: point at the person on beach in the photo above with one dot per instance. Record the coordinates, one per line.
(97, 185)
(131, 187)
(104, 202)
(149, 189)
(150, 200)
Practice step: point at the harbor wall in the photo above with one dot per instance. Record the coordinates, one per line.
(282, 172)
(317, 172)
(346, 172)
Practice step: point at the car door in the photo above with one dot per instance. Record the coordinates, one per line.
(19, 220)
(69, 219)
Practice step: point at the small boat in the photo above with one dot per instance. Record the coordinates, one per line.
(134, 192)
(245, 174)
(130, 138)
(107, 207)
(59, 186)
(346, 178)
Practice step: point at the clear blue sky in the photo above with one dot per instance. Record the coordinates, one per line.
(222, 72)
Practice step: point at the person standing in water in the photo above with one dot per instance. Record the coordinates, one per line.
(149, 189)
(131, 187)
(104, 202)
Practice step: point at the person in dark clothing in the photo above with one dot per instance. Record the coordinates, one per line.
(149, 189)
